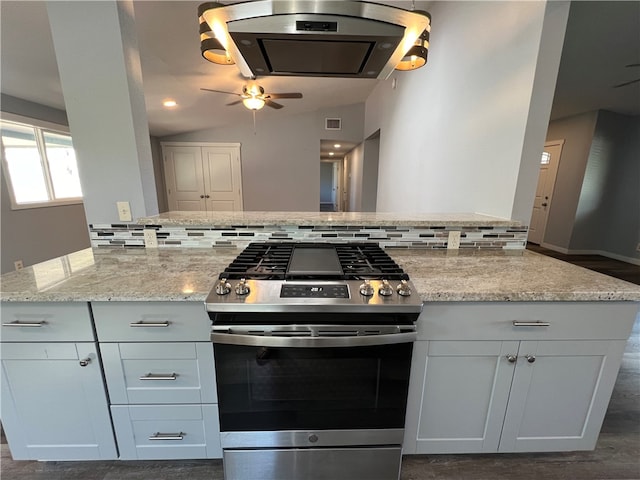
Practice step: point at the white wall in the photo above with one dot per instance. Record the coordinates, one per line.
(453, 132)
(104, 101)
(577, 133)
(281, 161)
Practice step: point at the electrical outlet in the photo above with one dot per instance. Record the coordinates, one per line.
(150, 238)
(124, 211)
(454, 241)
(18, 265)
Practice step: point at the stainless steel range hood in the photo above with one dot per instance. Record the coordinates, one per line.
(318, 38)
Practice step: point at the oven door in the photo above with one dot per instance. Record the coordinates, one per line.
(308, 386)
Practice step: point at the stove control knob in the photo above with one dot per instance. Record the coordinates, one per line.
(223, 287)
(242, 288)
(366, 289)
(385, 289)
(404, 289)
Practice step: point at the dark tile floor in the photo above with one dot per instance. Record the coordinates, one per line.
(616, 457)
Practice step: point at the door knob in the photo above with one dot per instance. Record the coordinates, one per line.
(530, 358)
(85, 361)
(511, 358)
(206, 196)
(201, 196)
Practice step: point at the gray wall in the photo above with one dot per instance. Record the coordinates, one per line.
(281, 160)
(37, 234)
(577, 133)
(370, 173)
(608, 213)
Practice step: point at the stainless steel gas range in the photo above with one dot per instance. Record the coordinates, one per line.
(313, 343)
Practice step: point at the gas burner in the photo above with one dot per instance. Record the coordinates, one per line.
(353, 261)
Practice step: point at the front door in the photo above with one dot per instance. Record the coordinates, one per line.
(544, 190)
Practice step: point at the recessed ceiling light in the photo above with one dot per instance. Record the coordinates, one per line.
(331, 154)
(337, 145)
(169, 103)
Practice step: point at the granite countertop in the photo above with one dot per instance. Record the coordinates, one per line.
(326, 218)
(188, 274)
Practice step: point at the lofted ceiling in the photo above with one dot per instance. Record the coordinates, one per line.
(602, 37)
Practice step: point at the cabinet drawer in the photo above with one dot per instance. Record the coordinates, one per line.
(154, 432)
(537, 321)
(143, 373)
(46, 322)
(151, 321)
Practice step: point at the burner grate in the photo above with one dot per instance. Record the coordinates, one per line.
(270, 261)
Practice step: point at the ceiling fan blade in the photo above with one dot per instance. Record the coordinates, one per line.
(627, 83)
(285, 95)
(272, 104)
(234, 103)
(220, 91)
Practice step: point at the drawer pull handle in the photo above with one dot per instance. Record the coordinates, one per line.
(167, 436)
(18, 323)
(516, 323)
(149, 324)
(159, 376)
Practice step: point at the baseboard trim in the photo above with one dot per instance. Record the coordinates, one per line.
(615, 256)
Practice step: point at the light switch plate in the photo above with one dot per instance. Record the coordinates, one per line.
(124, 211)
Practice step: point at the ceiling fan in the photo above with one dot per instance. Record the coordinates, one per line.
(254, 97)
(623, 84)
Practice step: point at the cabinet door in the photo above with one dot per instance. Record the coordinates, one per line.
(560, 395)
(52, 407)
(458, 396)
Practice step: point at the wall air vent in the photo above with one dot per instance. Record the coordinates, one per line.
(333, 124)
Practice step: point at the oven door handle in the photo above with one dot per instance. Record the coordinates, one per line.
(313, 342)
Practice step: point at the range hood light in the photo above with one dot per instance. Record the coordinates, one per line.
(211, 48)
(416, 57)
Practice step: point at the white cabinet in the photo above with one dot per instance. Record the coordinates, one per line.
(480, 383)
(54, 404)
(558, 401)
(159, 368)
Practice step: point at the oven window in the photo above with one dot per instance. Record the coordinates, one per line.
(263, 388)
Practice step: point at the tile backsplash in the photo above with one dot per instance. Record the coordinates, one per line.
(232, 236)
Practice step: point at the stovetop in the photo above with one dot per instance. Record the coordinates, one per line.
(309, 261)
(313, 278)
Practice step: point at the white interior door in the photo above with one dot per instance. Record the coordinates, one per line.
(222, 178)
(184, 178)
(544, 190)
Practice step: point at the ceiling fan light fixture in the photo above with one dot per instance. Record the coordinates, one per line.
(416, 56)
(253, 103)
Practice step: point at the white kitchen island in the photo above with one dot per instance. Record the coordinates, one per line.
(479, 383)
